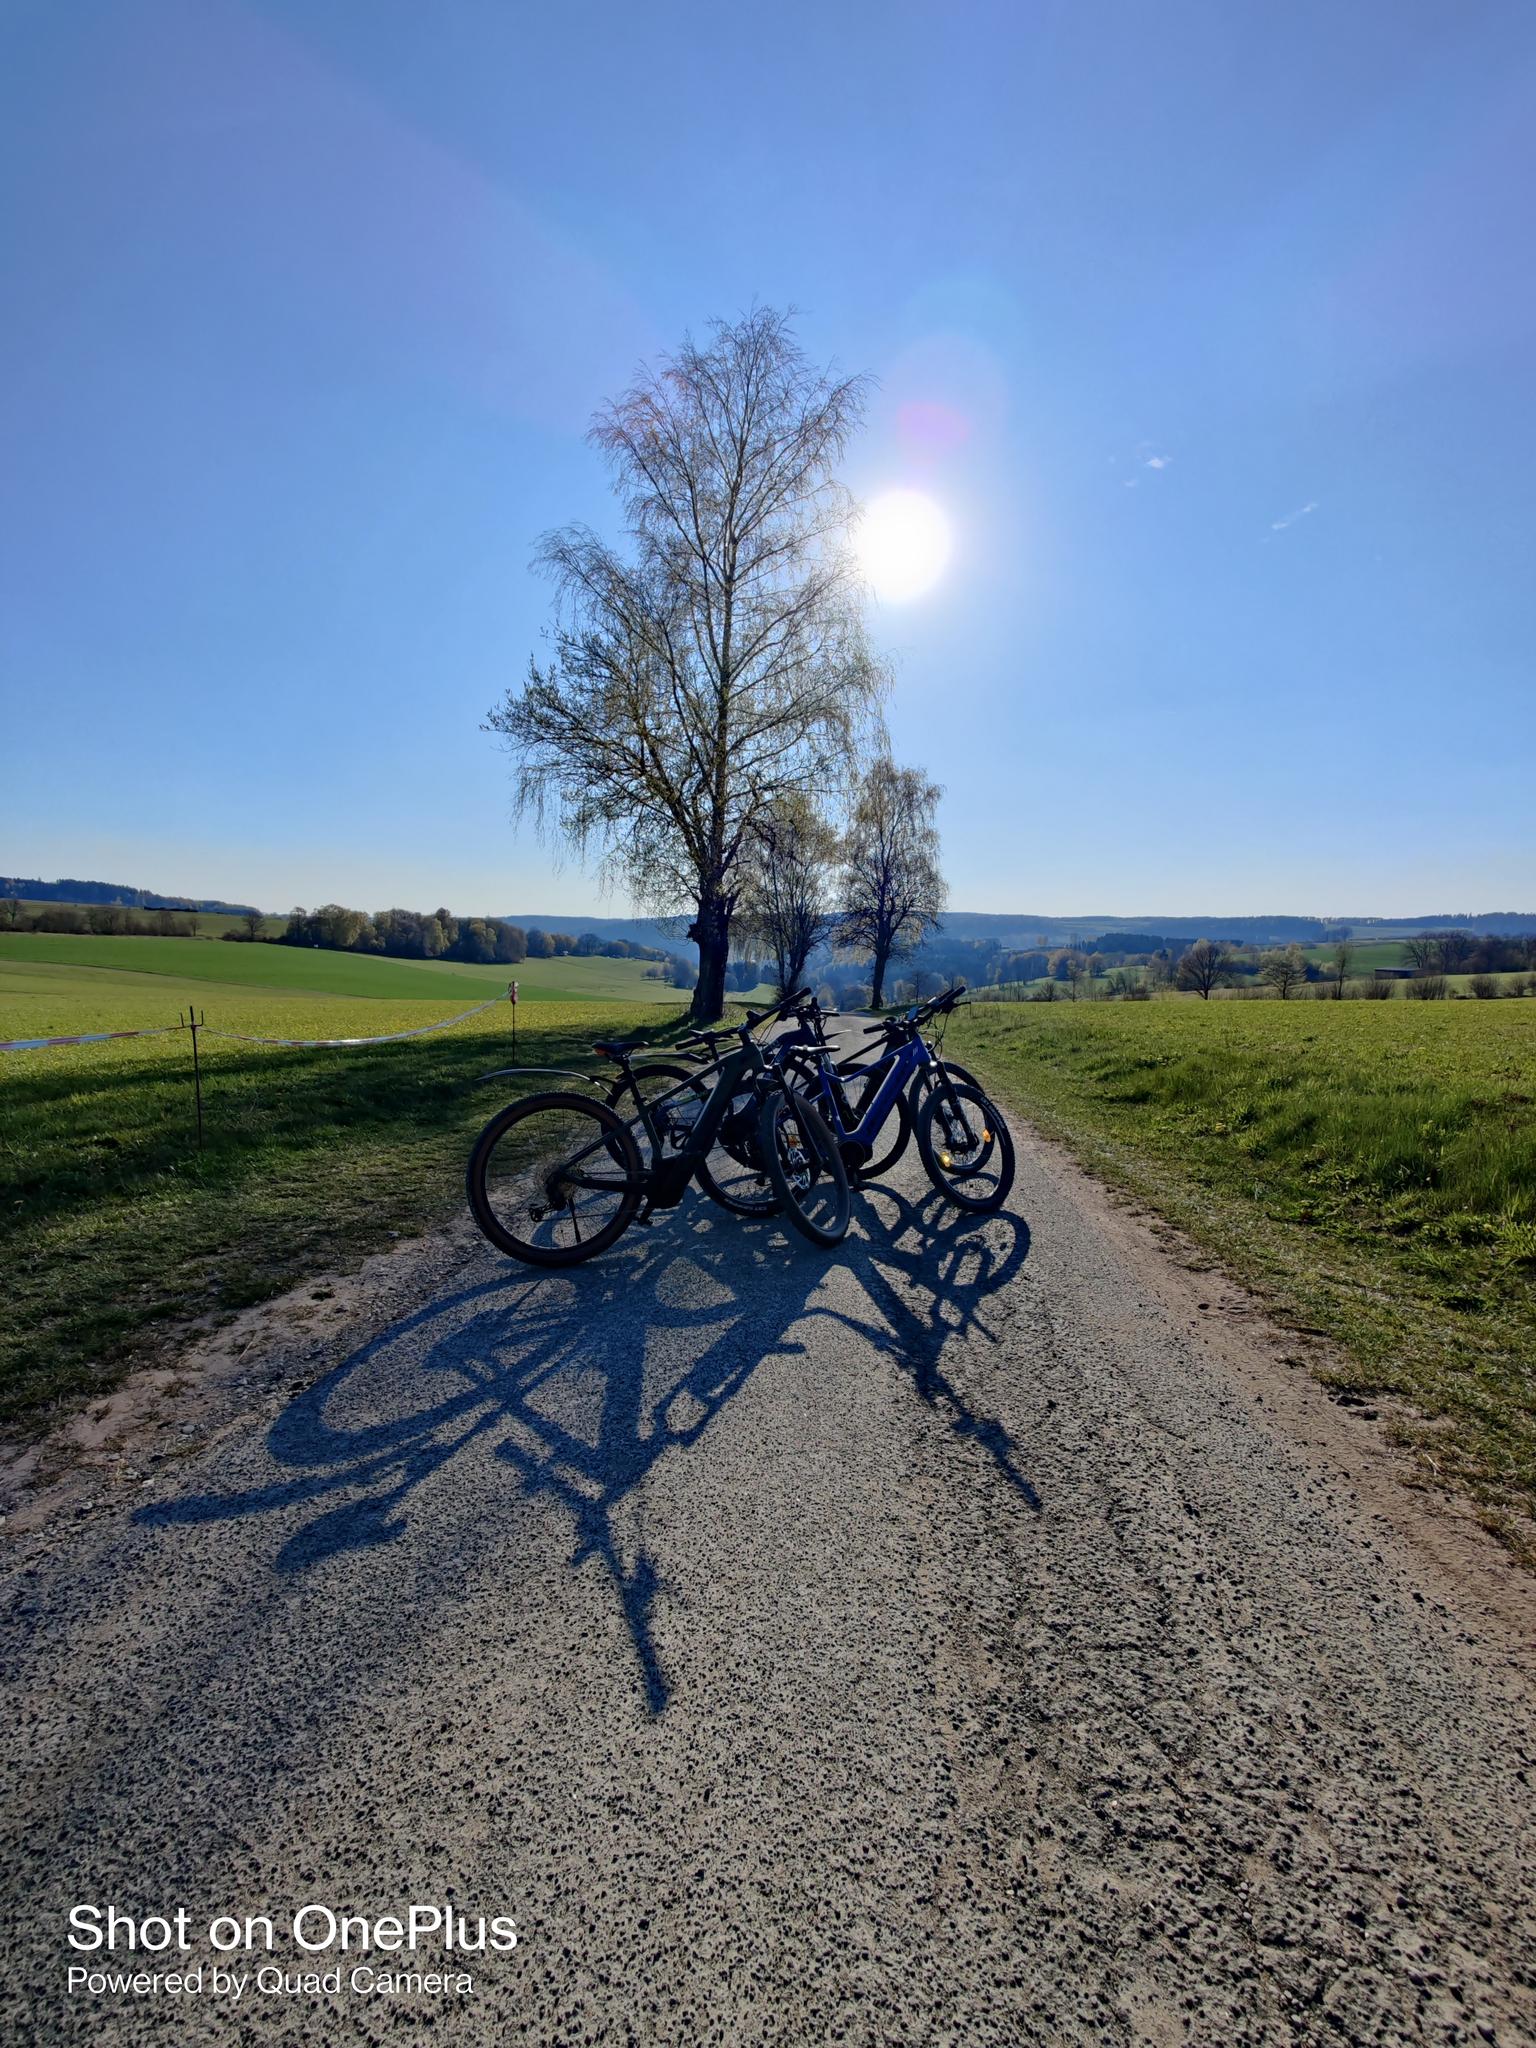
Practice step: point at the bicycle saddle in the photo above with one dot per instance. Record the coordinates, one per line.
(614, 1048)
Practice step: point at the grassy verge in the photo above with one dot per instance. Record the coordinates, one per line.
(1371, 1168)
(114, 1228)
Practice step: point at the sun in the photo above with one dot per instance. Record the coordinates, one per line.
(904, 544)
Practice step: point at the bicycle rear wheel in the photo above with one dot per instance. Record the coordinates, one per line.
(895, 1134)
(735, 1173)
(554, 1179)
(805, 1167)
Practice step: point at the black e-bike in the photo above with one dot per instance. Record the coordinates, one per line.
(557, 1178)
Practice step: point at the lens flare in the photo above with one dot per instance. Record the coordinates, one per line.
(904, 544)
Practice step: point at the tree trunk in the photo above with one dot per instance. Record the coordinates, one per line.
(711, 933)
(877, 980)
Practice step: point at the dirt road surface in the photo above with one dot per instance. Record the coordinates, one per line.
(977, 1635)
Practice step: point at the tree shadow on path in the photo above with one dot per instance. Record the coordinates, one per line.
(581, 1381)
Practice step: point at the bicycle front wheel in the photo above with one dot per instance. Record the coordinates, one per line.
(805, 1167)
(554, 1180)
(964, 1143)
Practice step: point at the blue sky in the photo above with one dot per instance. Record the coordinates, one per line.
(1225, 317)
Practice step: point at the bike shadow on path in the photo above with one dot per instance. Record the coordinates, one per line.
(581, 1381)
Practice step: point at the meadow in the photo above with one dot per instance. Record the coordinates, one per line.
(1365, 955)
(1369, 1168)
(316, 971)
(117, 1232)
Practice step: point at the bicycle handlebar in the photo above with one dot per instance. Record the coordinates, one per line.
(919, 1013)
(753, 1022)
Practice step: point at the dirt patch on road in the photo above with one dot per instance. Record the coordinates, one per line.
(220, 1378)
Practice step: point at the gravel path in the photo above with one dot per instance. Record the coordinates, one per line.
(972, 1636)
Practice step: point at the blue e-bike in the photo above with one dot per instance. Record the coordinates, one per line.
(873, 1106)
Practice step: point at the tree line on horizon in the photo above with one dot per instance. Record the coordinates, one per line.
(1209, 966)
(439, 935)
(119, 920)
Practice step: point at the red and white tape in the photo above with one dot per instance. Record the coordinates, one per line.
(385, 1038)
(84, 1038)
(245, 1038)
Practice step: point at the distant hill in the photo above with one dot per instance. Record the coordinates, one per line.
(667, 932)
(1022, 929)
(1019, 930)
(1013, 929)
(30, 890)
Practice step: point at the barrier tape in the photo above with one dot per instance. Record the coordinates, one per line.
(385, 1038)
(244, 1038)
(84, 1038)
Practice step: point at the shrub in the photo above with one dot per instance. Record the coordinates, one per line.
(1484, 985)
(1428, 988)
(1374, 991)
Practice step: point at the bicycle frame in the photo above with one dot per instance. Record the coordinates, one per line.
(665, 1181)
(904, 1062)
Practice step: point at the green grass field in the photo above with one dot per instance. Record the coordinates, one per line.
(116, 1230)
(317, 972)
(1365, 956)
(1370, 1167)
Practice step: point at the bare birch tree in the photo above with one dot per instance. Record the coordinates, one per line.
(719, 666)
(786, 904)
(893, 891)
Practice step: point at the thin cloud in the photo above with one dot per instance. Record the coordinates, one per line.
(1290, 519)
(1158, 461)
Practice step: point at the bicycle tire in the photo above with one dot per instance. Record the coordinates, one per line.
(951, 1173)
(797, 1162)
(739, 1141)
(618, 1145)
(927, 1080)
